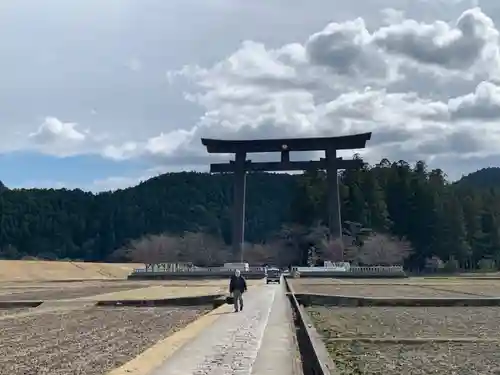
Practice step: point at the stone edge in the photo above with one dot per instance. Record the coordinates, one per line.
(324, 364)
(215, 299)
(154, 356)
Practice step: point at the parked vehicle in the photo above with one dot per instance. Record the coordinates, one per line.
(273, 275)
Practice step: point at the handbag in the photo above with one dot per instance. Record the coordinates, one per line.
(230, 300)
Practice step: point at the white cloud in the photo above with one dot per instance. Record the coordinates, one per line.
(426, 88)
(340, 82)
(483, 104)
(54, 130)
(56, 137)
(471, 43)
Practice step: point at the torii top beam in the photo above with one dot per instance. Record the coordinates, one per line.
(220, 146)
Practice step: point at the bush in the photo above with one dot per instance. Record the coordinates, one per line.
(487, 265)
(451, 265)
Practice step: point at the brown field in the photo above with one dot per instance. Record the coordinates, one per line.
(90, 342)
(72, 290)
(413, 287)
(407, 322)
(112, 290)
(409, 340)
(11, 311)
(34, 270)
(472, 358)
(69, 335)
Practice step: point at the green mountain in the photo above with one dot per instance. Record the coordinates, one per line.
(483, 178)
(439, 219)
(80, 225)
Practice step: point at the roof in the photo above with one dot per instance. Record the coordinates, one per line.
(347, 142)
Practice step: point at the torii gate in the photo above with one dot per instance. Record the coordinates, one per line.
(240, 165)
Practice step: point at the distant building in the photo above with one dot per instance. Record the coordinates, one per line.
(237, 266)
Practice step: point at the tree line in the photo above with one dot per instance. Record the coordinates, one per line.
(410, 214)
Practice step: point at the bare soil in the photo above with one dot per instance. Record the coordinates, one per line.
(362, 358)
(63, 293)
(472, 289)
(357, 358)
(110, 289)
(11, 311)
(407, 322)
(90, 342)
(373, 290)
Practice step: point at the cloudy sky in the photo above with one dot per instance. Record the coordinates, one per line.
(100, 94)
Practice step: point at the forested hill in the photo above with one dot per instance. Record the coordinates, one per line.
(73, 224)
(440, 219)
(483, 178)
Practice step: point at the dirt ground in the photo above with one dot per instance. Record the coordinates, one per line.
(413, 287)
(422, 359)
(11, 311)
(89, 342)
(408, 322)
(71, 291)
(374, 290)
(112, 290)
(345, 329)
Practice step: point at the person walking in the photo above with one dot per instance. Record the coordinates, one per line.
(237, 286)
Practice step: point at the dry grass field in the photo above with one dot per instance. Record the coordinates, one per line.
(35, 270)
(409, 340)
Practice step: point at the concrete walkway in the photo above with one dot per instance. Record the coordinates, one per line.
(256, 341)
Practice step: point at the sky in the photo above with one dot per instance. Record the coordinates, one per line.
(103, 94)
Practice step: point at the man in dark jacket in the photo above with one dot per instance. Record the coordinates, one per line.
(237, 286)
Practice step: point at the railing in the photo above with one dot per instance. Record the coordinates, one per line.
(371, 269)
(195, 270)
(356, 269)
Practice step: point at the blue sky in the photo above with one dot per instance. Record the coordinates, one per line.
(103, 94)
(19, 169)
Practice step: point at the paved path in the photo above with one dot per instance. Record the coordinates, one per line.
(255, 341)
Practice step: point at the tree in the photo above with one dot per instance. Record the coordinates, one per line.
(154, 249)
(332, 250)
(9, 252)
(202, 249)
(286, 216)
(384, 250)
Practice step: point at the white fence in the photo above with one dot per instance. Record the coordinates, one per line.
(354, 269)
(180, 267)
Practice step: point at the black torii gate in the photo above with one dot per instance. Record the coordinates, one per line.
(240, 165)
